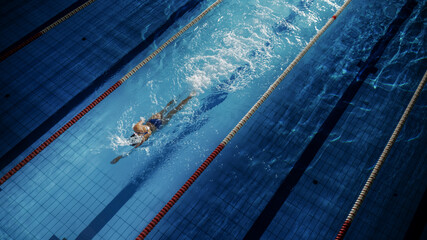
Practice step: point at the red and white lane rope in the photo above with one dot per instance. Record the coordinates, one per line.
(104, 95)
(43, 31)
(380, 161)
(242, 122)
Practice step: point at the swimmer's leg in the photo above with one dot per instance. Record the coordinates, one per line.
(176, 109)
(167, 106)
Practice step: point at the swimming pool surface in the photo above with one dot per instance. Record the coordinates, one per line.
(374, 50)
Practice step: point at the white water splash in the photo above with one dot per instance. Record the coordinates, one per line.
(119, 138)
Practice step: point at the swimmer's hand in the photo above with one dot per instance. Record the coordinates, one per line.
(142, 119)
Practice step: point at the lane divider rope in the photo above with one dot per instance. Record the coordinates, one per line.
(103, 96)
(380, 162)
(227, 139)
(27, 41)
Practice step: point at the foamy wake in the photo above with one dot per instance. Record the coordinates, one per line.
(232, 49)
(120, 136)
(199, 80)
(119, 141)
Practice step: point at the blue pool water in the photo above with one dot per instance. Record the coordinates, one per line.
(70, 190)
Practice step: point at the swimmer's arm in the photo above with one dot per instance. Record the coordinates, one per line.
(141, 122)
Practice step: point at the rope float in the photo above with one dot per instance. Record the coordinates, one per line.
(242, 122)
(380, 161)
(27, 41)
(103, 96)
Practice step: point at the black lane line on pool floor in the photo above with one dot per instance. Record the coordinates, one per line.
(419, 220)
(92, 87)
(54, 237)
(109, 211)
(273, 206)
(44, 25)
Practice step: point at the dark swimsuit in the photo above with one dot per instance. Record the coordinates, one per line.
(156, 122)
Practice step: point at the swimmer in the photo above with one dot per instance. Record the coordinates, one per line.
(143, 130)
